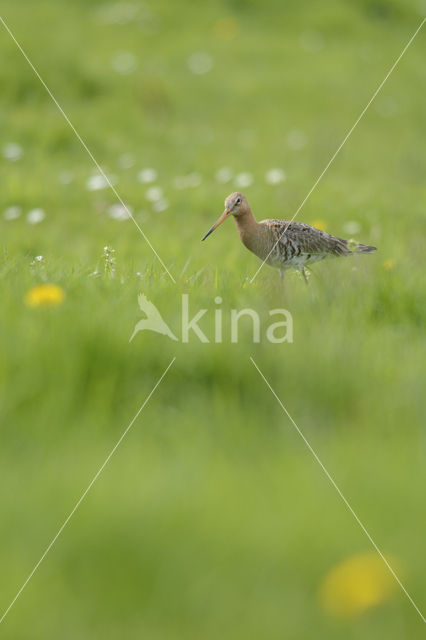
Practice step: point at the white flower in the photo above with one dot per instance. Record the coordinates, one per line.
(109, 261)
(35, 216)
(126, 160)
(352, 227)
(142, 216)
(185, 182)
(119, 13)
(296, 140)
(98, 182)
(160, 205)
(38, 262)
(193, 179)
(124, 63)
(244, 179)
(66, 177)
(12, 151)
(154, 193)
(200, 63)
(119, 212)
(11, 213)
(147, 175)
(275, 176)
(224, 175)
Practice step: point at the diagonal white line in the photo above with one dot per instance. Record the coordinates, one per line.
(339, 491)
(342, 143)
(86, 148)
(86, 491)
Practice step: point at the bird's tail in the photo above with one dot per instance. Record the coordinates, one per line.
(365, 248)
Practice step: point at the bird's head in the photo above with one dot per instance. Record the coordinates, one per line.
(235, 205)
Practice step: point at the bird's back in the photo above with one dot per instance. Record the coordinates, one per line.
(295, 243)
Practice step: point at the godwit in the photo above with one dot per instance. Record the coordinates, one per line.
(282, 243)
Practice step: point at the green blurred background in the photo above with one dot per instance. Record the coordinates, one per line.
(212, 519)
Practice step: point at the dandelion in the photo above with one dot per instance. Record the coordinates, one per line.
(35, 216)
(147, 175)
(244, 179)
(352, 227)
(98, 182)
(388, 264)
(200, 63)
(109, 261)
(12, 151)
(189, 181)
(123, 13)
(124, 63)
(44, 295)
(11, 213)
(224, 175)
(142, 216)
(126, 161)
(275, 176)
(66, 177)
(119, 212)
(193, 179)
(319, 224)
(355, 585)
(160, 205)
(154, 193)
(118, 13)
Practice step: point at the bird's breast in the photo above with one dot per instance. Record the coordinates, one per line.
(255, 240)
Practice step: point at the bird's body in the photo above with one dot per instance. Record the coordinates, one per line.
(282, 243)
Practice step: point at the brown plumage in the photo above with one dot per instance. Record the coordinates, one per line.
(282, 243)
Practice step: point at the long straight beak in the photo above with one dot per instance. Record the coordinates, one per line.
(223, 217)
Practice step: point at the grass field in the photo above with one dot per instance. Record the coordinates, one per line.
(212, 519)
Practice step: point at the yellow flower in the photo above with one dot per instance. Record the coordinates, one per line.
(319, 224)
(388, 264)
(356, 584)
(44, 295)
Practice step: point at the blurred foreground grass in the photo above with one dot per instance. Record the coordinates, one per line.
(212, 519)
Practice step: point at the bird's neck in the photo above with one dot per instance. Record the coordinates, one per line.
(247, 228)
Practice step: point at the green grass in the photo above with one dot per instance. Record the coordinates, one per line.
(212, 519)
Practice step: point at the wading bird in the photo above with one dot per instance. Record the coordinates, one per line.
(284, 244)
